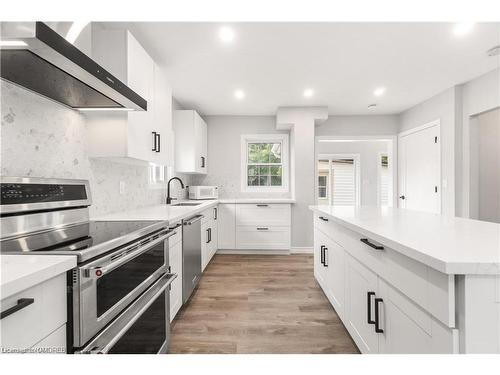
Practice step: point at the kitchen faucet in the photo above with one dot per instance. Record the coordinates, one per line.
(169, 199)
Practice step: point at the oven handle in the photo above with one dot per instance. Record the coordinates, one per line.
(95, 272)
(167, 279)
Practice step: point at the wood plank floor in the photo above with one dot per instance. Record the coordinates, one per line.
(259, 304)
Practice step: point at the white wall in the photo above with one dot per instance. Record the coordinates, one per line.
(440, 107)
(369, 152)
(359, 125)
(224, 152)
(41, 138)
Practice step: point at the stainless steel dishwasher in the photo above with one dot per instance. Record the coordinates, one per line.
(191, 255)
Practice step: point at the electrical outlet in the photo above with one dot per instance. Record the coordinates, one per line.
(122, 187)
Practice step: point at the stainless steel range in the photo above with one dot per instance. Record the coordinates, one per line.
(118, 294)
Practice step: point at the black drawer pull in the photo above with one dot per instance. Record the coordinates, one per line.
(325, 256)
(262, 228)
(322, 254)
(369, 296)
(262, 205)
(21, 304)
(323, 218)
(377, 316)
(367, 242)
(155, 139)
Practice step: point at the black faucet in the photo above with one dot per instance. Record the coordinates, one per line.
(169, 199)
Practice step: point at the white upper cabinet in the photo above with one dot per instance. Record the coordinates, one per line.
(190, 142)
(135, 136)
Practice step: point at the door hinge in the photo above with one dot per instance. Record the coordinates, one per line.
(436, 139)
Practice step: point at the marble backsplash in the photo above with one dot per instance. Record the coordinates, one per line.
(41, 138)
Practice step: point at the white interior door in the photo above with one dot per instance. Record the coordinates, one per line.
(420, 169)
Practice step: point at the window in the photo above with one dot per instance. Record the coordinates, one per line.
(384, 180)
(264, 163)
(323, 186)
(338, 180)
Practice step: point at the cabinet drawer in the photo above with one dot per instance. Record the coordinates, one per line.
(430, 289)
(176, 238)
(27, 326)
(263, 214)
(209, 214)
(263, 238)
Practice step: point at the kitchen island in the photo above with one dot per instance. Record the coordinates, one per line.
(410, 282)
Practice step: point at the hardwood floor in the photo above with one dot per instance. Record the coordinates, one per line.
(259, 304)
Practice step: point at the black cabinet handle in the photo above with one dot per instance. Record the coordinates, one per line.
(367, 242)
(203, 162)
(369, 296)
(262, 205)
(215, 213)
(21, 304)
(325, 256)
(208, 237)
(402, 197)
(322, 255)
(154, 141)
(262, 228)
(377, 316)
(158, 143)
(323, 218)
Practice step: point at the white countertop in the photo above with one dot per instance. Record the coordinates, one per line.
(449, 245)
(20, 272)
(257, 200)
(170, 213)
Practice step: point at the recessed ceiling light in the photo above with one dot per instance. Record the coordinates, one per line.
(226, 34)
(463, 28)
(239, 94)
(308, 93)
(372, 106)
(379, 91)
(12, 43)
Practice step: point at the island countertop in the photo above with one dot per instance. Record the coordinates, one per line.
(450, 245)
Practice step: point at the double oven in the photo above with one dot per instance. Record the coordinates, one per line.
(118, 295)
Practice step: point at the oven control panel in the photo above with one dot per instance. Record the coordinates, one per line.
(23, 193)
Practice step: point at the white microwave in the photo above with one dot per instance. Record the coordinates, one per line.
(203, 192)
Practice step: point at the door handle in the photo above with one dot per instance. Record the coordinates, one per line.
(402, 197)
(377, 316)
(323, 218)
(154, 141)
(21, 304)
(367, 242)
(369, 296)
(158, 143)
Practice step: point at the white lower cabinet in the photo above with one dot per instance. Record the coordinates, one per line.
(37, 313)
(209, 240)
(380, 316)
(226, 231)
(175, 261)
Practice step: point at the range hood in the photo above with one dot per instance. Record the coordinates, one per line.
(34, 56)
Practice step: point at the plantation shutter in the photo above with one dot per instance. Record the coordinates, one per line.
(384, 185)
(344, 183)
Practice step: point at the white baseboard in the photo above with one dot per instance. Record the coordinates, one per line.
(301, 250)
(253, 252)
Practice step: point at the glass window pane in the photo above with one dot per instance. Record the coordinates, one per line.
(263, 170)
(275, 170)
(322, 180)
(253, 152)
(275, 180)
(275, 152)
(253, 170)
(264, 180)
(322, 192)
(253, 181)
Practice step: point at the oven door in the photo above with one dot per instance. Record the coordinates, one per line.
(106, 286)
(143, 328)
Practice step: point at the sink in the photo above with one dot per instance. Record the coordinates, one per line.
(185, 204)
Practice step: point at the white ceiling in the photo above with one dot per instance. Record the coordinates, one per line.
(343, 62)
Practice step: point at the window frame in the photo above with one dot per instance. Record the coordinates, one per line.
(285, 166)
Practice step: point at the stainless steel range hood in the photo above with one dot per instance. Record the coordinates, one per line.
(36, 57)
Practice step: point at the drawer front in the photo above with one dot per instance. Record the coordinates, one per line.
(263, 214)
(27, 326)
(55, 343)
(176, 238)
(209, 214)
(432, 290)
(262, 238)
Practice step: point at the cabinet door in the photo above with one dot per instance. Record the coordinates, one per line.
(213, 239)
(163, 118)
(140, 68)
(335, 275)
(200, 137)
(226, 231)
(360, 282)
(175, 261)
(205, 247)
(408, 329)
(319, 267)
